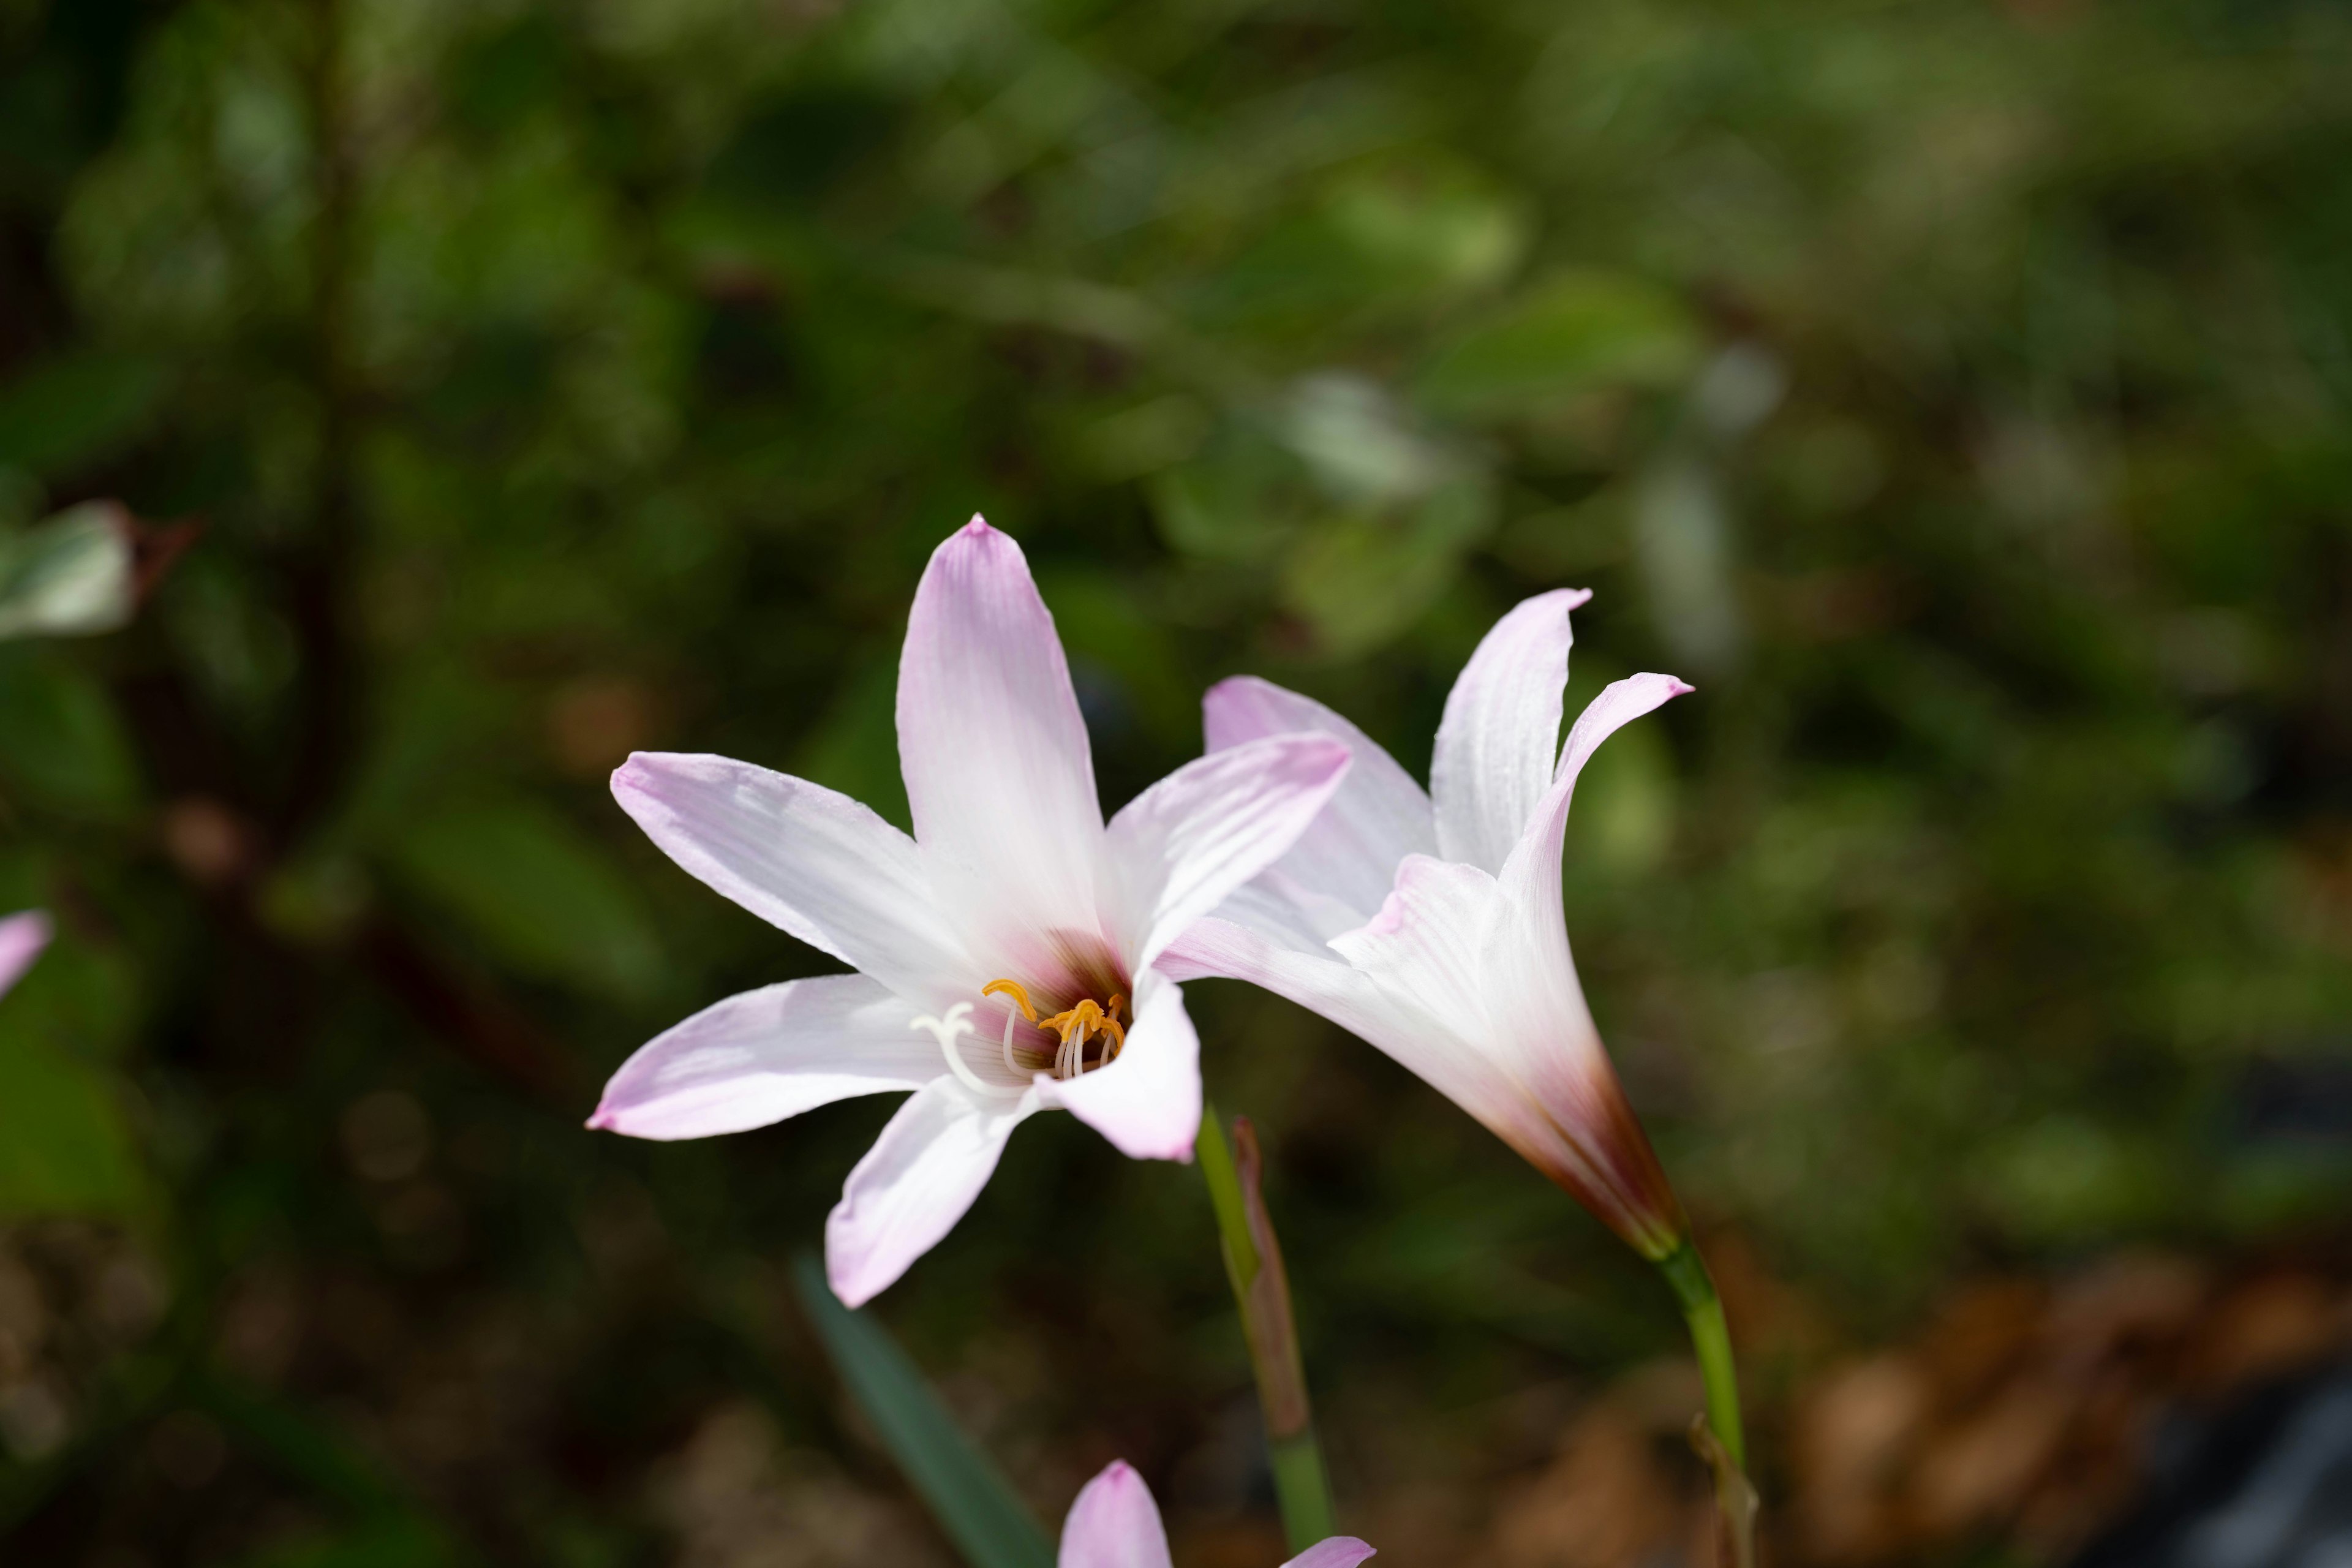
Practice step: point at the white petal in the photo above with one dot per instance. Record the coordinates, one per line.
(766, 1055)
(998, 772)
(22, 937)
(1114, 1523)
(1338, 1552)
(801, 857)
(1437, 955)
(1147, 1102)
(1177, 849)
(1378, 818)
(918, 1180)
(1532, 870)
(1501, 730)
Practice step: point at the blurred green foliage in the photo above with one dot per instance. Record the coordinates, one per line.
(1956, 393)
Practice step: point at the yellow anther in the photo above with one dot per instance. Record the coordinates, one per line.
(1017, 991)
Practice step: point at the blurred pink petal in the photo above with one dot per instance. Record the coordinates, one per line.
(22, 937)
(1114, 1523)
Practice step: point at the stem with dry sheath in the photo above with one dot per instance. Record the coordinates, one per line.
(1262, 1292)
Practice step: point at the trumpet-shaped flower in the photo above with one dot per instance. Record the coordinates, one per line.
(1430, 924)
(1004, 953)
(1114, 1523)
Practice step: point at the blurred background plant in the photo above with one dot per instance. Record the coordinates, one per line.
(1956, 393)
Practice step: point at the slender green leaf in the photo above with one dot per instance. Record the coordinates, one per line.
(966, 1493)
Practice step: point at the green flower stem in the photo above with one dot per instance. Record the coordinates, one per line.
(1262, 1292)
(1711, 1337)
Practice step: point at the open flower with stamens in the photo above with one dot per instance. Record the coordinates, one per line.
(1004, 953)
(1430, 923)
(1114, 1523)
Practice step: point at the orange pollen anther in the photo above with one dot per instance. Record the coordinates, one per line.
(1074, 1027)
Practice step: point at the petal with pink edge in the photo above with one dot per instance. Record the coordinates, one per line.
(1178, 848)
(921, 1175)
(1114, 1523)
(802, 858)
(766, 1055)
(1501, 730)
(22, 937)
(1531, 873)
(1379, 816)
(1338, 1551)
(1147, 1102)
(997, 770)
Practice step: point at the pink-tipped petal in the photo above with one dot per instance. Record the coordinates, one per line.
(802, 858)
(766, 1055)
(997, 770)
(1378, 818)
(1147, 1102)
(1177, 849)
(22, 937)
(1501, 730)
(1338, 1551)
(921, 1175)
(1114, 1523)
(1532, 868)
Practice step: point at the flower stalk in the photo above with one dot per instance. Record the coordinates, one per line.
(1719, 1438)
(1262, 1294)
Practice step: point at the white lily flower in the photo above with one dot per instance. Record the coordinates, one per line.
(1005, 953)
(1430, 923)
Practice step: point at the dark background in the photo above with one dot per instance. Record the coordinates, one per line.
(1955, 392)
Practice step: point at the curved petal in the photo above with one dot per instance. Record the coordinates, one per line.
(1532, 872)
(22, 937)
(1501, 730)
(1114, 1523)
(802, 858)
(921, 1175)
(1178, 848)
(998, 772)
(1147, 1102)
(1378, 818)
(1337, 1551)
(766, 1055)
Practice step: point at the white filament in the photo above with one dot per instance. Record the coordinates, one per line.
(947, 1031)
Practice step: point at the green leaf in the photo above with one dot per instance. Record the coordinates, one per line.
(70, 576)
(1360, 581)
(1581, 331)
(71, 411)
(540, 893)
(965, 1492)
(61, 742)
(66, 1147)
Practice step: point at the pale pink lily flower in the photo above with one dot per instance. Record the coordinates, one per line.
(1004, 953)
(22, 937)
(1430, 923)
(1114, 1523)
